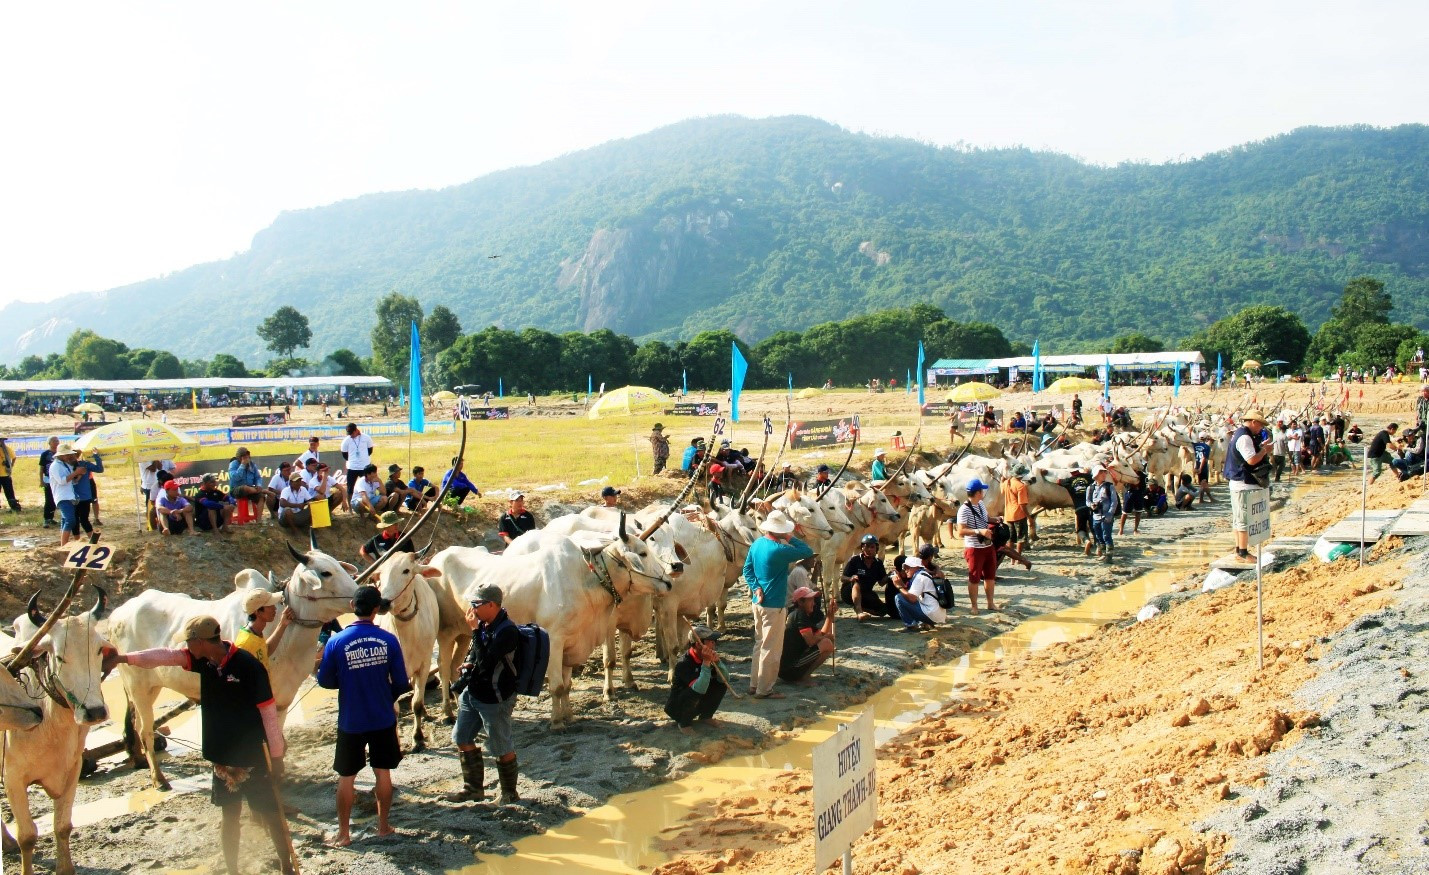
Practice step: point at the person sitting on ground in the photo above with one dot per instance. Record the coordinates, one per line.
(917, 597)
(276, 484)
(293, 503)
(609, 497)
(244, 480)
(388, 537)
(369, 498)
(1185, 493)
(1018, 423)
(861, 576)
(215, 507)
(261, 606)
(175, 513)
(420, 485)
(786, 478)
(808, 638)
(1156, 503)
(517, 520)
(1408, 458)
(698, 686)
(1355, 434)
(397, 486)
(460, 487)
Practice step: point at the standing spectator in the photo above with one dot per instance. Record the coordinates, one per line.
(86, 493)
(1245, 452)
(1076, 419)
(975, 528)
(421, 486)
(879, 471)
(487, 698)
(357, 455)
(46, 457)
(1015, 499)
(1201, 451)
(1421, 409)
(1279, 448)
(244, 480)
(1103, 502)
(861, 576)
(1294, 443)
(174, 513)
(214, 507)
(261, 606)
(151, 485)
(1078, 485)
(239, 717)
(698, 687)
(63, 474)
(1133, 502)
(7, 475)
(293, 510)
(368, 497)
(460, 487)
(808, 638)
(364, 664)
(517, 520)
(1315, 442)
(659, 447)
(1378, 451)
(917, 599)
(766, 572)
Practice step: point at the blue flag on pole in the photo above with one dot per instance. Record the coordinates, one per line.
(738, 367)
(417, 418)
(1218, 370)
(1037, 366)
(920, 373)
(684, 382)
(589, 386)
(1176, 384)
(500, 387)
(791, 383)
(1106, 380)
(401, 396)
(908, 383)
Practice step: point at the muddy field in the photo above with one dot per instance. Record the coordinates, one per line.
(614, 747)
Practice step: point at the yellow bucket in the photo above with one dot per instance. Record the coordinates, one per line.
(322, 515)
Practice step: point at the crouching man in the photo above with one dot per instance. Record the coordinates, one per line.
(808, 639)
(698, 687)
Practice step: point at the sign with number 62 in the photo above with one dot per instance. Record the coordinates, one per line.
(88, 557)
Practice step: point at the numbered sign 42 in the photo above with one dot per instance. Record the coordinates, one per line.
(88, 557)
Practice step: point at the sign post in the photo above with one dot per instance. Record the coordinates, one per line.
(845, 791)
(1258, 532)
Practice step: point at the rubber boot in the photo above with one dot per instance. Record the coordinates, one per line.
(507, 771)
(473, 778)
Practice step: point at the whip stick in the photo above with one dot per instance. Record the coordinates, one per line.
(282, 814)
(719, 669)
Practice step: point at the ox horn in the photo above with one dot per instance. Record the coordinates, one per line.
(313, 538)
(299, 558)
(101, 602)
(32, 610)
(273, 585)
(623, 534)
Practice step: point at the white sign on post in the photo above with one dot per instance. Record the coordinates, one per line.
(845, 790)
(1258, 520)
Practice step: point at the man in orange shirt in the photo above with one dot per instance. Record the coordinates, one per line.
(1015, 490)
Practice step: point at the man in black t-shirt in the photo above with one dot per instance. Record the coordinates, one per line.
(1378, 452)
(389, 530)
(861, 576)
(517, 520)
(238, 716)
(808, 638)
(1077, 486)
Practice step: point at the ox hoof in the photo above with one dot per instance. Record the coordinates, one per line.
(165, 786)
(87, 767)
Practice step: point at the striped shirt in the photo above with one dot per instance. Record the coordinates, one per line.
(974, 516)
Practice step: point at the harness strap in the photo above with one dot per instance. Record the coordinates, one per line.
(602, 576)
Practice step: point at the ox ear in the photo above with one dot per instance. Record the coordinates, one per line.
(348, 566)
(32, 610)
(101, 602)
(429, 571)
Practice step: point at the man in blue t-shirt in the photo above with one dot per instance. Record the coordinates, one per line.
(766, 571)
(1202, 449)
(364, 664)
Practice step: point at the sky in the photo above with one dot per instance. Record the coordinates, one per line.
(143, 137)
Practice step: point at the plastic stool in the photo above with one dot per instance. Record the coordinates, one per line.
(899, 443)
(243, 513)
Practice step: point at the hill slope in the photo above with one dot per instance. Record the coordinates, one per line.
(781, 223)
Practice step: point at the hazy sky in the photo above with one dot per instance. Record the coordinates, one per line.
(140, 138)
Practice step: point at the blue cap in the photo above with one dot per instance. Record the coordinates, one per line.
(976, 485)
(822, 469)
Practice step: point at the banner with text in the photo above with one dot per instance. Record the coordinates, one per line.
(247, 419)
(822, 432)
(692, 408)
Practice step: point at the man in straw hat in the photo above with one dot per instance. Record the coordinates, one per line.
(389, 533)
(64, 473)
(766, 572)
(698, 686)
(659, 447)
(239, 716)
(1247, 451)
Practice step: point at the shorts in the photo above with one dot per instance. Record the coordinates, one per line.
(472, 715)
(982, 563)
(1019, 529)
(68, 521)
(257, 790)
(1132, 502)
(177, 526)
(1240, 508)
(798, 668)
(1084, 520)
(354, 748)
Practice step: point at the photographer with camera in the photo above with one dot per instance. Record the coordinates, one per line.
(486, 697)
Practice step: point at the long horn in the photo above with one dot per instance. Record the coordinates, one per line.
(313, 538)
(769, 472)
(32, 610)
(100, 603)
(834, 479)
(755, 481)
(413, 525)
(299, 558)
(689, 484)
(623, 533)
(912, 448)
(23, 656)
(273, 585)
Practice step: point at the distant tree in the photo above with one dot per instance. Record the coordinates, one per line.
(1262, 333)
(655, 364)
(945, 338)
(29, 366)
(164, 366)
(288, 367)
(195, 367)
(286, 330)
(225, 365)
(707, 357)
(439, 330)
(1136, 342)
(97, 358)
(781, 354)
(392, 335)
(1378, 345)
(344, 363)
(1363, 301)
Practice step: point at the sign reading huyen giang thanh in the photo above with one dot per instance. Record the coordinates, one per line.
(845, 790)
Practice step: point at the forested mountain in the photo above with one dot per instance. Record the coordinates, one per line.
(764, 225)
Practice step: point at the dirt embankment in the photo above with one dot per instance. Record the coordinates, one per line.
(1096, 756)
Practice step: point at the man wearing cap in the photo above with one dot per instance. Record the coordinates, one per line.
(364, 664)
(64, 472)
(1315, 442)
(786, 478)
(1246, 452)
(214, 507)
(239, 716)
(357, 455)
(917, 600)
(821, 479)
(1078, 484)
(389, 533)
(261, 606)
(174, 512)
(609, 496)
(879, 471)
(1279, 447)
(808, 638)
(659, 447)
(766, 572)
(975, 528)
(698, 686)
(861, 576)
(517, 520)
(1015, 499)
(293, 510)
(276, 484)
(1103, 501)
(7, 475)
(487, 698)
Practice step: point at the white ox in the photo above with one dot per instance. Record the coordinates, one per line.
(320, 590)
(738, 529)
(68, 668)
(414, 618)
(570, 590)
(17, 709)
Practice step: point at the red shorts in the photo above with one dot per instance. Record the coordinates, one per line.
(982, 563)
